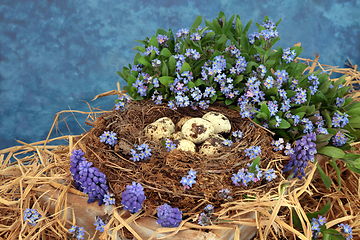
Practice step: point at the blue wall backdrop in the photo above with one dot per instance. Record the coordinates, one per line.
(55, 53)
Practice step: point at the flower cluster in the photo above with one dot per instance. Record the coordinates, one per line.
(288, 55)
(99, 224)
(304, 151)
(88, 179)
(77, 232)
(206, 216)
(109, 138)
(339, 120)
(197, 67)
(227, 142)
(31, 216)
(168, 216)
(346, 230)
(109, 199)
(141, 152)
(314, 83)
(189, 180)
(339, 139)
(122, 102)
(238, 135)
(279, 146)
(244, 176)
(316, 224)
(253, 151)
(169, 145)
(133, 197)
(225, 194)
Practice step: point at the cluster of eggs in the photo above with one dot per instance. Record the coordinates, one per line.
(192, 133)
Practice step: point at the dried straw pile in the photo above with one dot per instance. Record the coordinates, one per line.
(272, 203)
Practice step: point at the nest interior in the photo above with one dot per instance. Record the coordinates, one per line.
(161, 174)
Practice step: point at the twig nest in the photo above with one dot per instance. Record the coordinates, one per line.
(212, 145)
(181, 122)
(160, 129)
(197, 130)
(185, 145)
(219, 121)
(176, 135)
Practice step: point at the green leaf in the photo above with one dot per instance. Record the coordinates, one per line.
(154, 42)
(213, 98)
(217, 27)
(269, 63)
(190, 85)
(255, 163)
(310, 109)
(327, 118)
(332, 234)
(352, 106)
(229, 101)
(321, 212)
(229, 24)
(354, 111)
(120, 74)
(296, 220)
(164, 69)
(161, 31)
(199, 82)
(165, 52)
(172, 64)
(324, 177)
(244, 43)
(264, 109)
(143, 61)
(247, 27)
(166, 80)
(262, 115)
(325, 87)
(238, 26)
(323, 137)
(196, 23)
(185, 67)
(332, 152)
(138, 48)
(238, 79)
(222, 39)
(250, 66)
(355, 122)
(334, 165)
(207, 37)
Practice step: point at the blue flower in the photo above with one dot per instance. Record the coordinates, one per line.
(346, 230)
(168, 216)
(109, 199)
(77, 232)
(31, 216)
(99, 224)
(109, 138)
(227, 143)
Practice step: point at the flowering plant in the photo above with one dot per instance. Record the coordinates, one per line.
(224, 63)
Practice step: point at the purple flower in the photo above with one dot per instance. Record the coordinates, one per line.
(133, 197)
(303, 152)
(168, 216)
(225, 194)
(88, 179)
(204, 220)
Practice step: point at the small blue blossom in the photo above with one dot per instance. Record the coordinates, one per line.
(99, 224)
(227, 143)
(109, 199)
(225, 194)
(339, 139)
(346, 230)
(109, 138)
(77, 232)
(31, 216)
(142, 152)
(189, 180)
(253, 151)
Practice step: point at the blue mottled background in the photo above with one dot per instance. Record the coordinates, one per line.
(55, 53)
